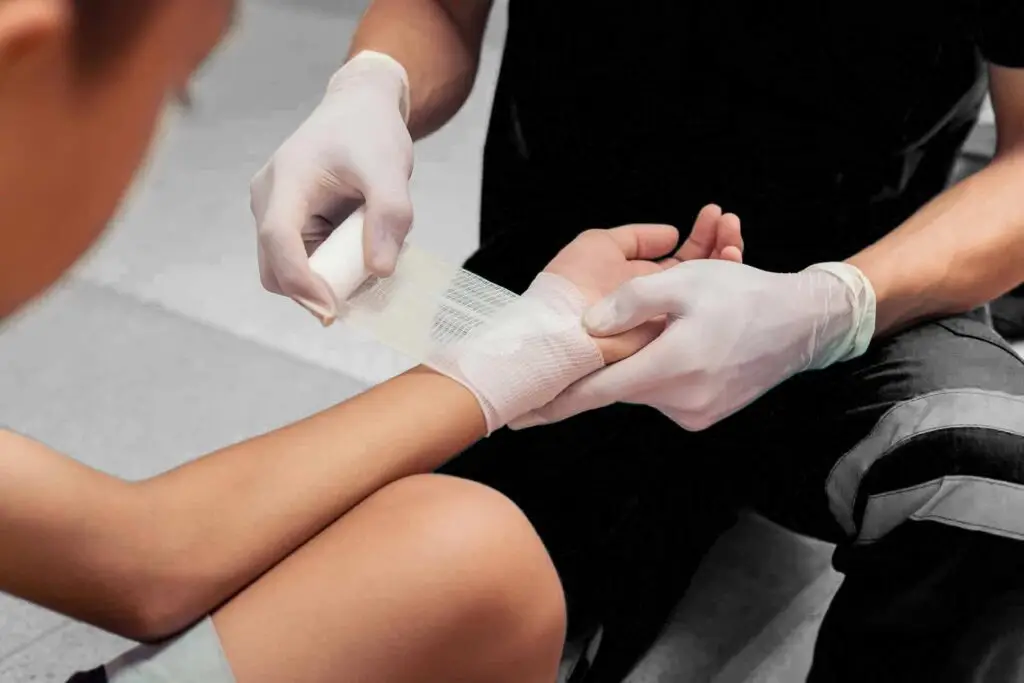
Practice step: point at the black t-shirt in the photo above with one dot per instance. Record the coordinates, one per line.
(823, 125)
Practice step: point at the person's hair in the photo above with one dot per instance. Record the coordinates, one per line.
(105, 28)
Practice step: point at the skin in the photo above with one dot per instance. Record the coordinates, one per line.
(928, 267)
(438, 42)
(931, 265)
(335, 517)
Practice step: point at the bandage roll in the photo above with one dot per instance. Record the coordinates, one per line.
(426, 304)
(513, 353)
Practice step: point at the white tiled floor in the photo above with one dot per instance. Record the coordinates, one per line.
(163, 346)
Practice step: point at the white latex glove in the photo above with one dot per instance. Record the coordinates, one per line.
(733, 333)
(535, 347)
(354, 147)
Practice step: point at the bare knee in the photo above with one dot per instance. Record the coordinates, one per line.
(490, 570)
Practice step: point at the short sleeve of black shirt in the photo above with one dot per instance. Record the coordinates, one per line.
(1000, 32)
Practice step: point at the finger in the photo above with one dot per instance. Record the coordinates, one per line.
(316, 230)
(333, 210)
(267, 277)
(622, 346)
(613, 384)
(569, 403)
(644, 241)
(280, 240)
(701, 241)
(732, 254)
(388, 220)
(641, 268)
(636, 301)
(729, 235)
(669, 262)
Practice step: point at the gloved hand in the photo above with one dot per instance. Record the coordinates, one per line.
(537, 346)
(355, 146)
(733, 332)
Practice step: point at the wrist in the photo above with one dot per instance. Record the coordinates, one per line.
(531, 352)
(903, 284)
(384, 72)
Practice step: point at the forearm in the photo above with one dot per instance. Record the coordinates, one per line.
(146, 559)
(68, 535)
(961, 250)
(231, 515)
(438, 42)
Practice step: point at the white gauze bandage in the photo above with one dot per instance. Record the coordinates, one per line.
(515, 353)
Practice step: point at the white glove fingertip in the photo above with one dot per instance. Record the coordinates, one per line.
(601, 318)
(633, 304)
(532, 419)
(387, 224)
(324, 315)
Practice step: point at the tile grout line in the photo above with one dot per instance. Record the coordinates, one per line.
(160, 307)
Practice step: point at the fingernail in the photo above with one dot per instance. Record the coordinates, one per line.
(600, 317)
(324, 314)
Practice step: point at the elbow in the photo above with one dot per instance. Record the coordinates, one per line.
(155, 583)
(163, 589)
(157, 595)
(153, 614)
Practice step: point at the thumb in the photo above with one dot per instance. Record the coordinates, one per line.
(586, 394)
(388, 219)
(283, 252)
(632, 304)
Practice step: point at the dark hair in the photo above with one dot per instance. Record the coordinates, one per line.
(104, 28)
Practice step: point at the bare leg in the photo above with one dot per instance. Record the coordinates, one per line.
(430, 579)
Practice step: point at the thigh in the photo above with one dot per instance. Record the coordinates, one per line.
(911, 459)
(913, 429)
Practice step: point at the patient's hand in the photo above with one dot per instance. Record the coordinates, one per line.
(598, 261)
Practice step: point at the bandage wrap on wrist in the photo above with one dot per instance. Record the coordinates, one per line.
(514, 353)
(859, 322)
(526, 355)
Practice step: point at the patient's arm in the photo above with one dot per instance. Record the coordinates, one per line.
(145, 559)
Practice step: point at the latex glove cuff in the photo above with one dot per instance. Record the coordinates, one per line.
(860, 298)
(378, 66)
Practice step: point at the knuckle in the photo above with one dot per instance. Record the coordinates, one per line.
(394, 208)
(267, 229)
(641, 289)
(268, 281)
(292, 280)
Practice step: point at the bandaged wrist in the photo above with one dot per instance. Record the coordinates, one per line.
(514, 353)
(859, 297)
(527, 355)
(368, 63)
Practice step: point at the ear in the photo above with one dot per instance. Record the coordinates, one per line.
(30, 26)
